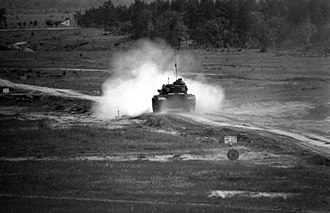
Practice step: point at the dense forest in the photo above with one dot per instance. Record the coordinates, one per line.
(216, 23)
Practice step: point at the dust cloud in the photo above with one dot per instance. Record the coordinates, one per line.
(140, 71)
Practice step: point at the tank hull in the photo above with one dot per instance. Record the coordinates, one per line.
(186, 102)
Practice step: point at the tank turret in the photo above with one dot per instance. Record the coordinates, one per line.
(178, 86)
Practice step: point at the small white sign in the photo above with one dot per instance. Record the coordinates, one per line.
(230, 139)
(5, 90)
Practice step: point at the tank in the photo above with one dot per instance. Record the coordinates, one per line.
(174, 96)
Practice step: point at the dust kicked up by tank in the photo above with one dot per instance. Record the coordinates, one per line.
(141, 70)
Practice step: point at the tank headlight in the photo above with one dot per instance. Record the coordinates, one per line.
(162, 98)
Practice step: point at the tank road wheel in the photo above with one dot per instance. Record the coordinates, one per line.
(156, 106)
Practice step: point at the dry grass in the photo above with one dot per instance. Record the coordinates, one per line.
(174, 181)
(33, 138)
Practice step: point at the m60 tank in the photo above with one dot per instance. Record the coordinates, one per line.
(174, 96)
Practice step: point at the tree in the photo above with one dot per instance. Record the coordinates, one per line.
(161, 6)
(191, 19)
(142, 24)
(207, 9)
(77, 17)
(214, 33)
(260, 30)
(109, 16)
(271, 8)
(93, 17)
(141, 20)
(319, 16)
(123, 14)
(305, 34)
(171, 27)
(297, 12)
(179, 6)
(242, 22)
(3, 19)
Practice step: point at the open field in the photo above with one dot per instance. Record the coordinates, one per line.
(152, 170)
(56, 156)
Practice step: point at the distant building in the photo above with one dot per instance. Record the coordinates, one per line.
(66, 23)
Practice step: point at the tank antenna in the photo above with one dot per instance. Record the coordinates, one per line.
(176, 69)
(168, 80)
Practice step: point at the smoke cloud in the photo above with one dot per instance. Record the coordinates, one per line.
(140, 71)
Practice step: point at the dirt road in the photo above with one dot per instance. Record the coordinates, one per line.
(317, 143)
(66, 93)
(311, 141)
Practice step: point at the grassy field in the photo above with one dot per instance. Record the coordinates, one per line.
(159, 163)
(140, 185)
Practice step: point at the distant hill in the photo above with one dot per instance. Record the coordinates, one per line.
(41, 6)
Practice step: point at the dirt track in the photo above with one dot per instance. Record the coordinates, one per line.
(49, 91)
(313, 142)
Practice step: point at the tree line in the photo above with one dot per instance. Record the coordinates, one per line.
(3, 18)
(216, 23)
